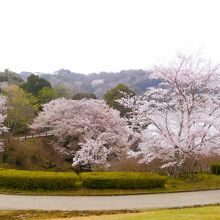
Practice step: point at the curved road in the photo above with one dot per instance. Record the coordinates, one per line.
(83, 203)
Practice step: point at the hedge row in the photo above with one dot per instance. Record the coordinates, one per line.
(215, 168)
(122, 180)
(29, 180)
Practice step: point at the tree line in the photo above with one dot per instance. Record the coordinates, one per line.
(25, 99)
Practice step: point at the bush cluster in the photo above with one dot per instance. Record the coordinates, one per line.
(29, 180)
(122, 180)
(215, 168)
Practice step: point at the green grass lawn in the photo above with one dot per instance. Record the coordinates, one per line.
(196, 213)
(200, 213)
(199, 182)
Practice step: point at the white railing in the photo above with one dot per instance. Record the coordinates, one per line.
(47, 134)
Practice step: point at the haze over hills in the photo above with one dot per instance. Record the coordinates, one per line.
(98, 83)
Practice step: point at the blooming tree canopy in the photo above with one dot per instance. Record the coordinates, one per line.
(181, 118)
(93, 152)
(88, 130)
(2, 119)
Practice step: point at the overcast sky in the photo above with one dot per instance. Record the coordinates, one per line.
(104, 35)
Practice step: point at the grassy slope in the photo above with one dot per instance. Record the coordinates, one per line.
(200, 182)
(198, 213)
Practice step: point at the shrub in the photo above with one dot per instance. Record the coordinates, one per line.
(29, 180)
(215, 168)
(132, 165)
(122, 180)
(34, 154)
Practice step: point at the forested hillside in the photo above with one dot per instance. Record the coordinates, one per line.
(99, 83)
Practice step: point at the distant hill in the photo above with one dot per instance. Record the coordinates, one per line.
(99, 83)
(10, 77)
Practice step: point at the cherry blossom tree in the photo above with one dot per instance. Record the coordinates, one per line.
(87, 130)
(2, 119)
(93, 152)
(181, 118)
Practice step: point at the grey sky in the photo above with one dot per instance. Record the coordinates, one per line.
(104, 35)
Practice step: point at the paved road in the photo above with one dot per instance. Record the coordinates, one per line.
(19, 202)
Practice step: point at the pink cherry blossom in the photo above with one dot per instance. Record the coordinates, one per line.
(181, 118)
(99, 129)
(3, 115)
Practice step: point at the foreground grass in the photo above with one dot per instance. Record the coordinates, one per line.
(39, 214)
(199, 213)
(196, 213)
(199, 182)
